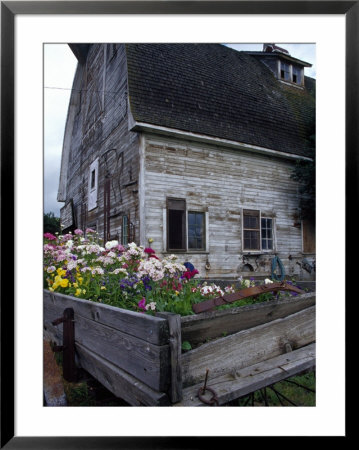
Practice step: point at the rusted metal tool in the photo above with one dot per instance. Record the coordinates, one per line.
(254, 291)
(68, 347)
(202, 391)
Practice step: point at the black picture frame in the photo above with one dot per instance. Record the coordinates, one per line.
(9, 9)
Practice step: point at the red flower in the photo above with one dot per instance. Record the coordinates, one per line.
(149, 250)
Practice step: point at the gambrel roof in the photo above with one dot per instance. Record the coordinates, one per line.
(213, 90)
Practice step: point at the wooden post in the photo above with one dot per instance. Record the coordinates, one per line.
(175, 341)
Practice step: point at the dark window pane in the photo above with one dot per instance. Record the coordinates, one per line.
(264, 244)
(175, 229)
(191, 219)
(270, 244)
(192, 243)
(195, 230)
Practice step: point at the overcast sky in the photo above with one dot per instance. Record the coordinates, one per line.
(59, 69)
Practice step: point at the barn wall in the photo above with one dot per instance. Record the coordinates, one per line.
(221, 182)
(100, 130)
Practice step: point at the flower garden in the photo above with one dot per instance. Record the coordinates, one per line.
(133, 278)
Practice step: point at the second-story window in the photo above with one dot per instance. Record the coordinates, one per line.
(285, 71)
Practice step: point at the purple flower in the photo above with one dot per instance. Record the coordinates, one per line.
(50, 237)
(77, 231)
(142, 303)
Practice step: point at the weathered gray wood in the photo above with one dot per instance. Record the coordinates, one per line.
(174, 323)
(249, 347)
(150, 328)
(200, 327)
(249, 379)
(147, 362)
(119, 382)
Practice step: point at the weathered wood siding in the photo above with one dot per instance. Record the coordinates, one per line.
(222, 182)
(100, 130)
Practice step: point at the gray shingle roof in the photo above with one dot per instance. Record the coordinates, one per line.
(214, 90)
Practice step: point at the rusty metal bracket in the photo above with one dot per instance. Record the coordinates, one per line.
(254, 291)
(68, 347)
(202, 391)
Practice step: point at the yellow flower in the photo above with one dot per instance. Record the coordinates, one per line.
(176, 292)
(103, 288)
(64, 283)
(78, 292)
(61, 272)
(75, 285)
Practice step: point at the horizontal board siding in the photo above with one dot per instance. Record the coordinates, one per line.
(249, 347)
(222, 181)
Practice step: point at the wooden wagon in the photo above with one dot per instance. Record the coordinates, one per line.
(139, 357)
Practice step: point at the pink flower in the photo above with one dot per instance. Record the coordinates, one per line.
(149, 250)
(77, 231)
(120, 248)
(142, 303)
(90, 230)
(50, 237)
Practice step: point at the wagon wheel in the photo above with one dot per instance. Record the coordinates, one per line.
(280, 393)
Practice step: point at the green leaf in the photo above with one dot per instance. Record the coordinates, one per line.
(186, 345)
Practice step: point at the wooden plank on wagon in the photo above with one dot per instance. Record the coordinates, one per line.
(145, 361)
(150, 328)
(241, 382)
(148, 362)
(119, 382)
(209, 325)
(175, 342)
(249, 347)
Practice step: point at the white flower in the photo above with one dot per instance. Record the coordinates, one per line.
(247, 283)
(151, 306)
(111, 244)
(268, 281)
(51, 269)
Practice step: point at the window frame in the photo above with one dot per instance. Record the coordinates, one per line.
(204, 232)
(291, 68)
(166, 229)
(93, 188)
(260, 217)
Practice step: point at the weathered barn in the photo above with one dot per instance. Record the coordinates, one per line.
(193, 146)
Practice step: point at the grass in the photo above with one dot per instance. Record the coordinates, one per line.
(288, 388)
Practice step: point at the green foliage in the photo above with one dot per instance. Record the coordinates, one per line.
(186, 345)
(51, 223)
(304, 173)
(77, 394)
(297, 394)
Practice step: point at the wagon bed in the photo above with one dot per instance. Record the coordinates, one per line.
(138, 357)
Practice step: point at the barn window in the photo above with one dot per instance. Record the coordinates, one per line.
(124, 237)
(267, 233)
(196, 230)
(251, 229)
(92, 185)
(285, 71)
(258, 232)
(297, 75)
(176, 224)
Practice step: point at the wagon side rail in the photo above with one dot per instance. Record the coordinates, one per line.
(250, 359)
(128, 352)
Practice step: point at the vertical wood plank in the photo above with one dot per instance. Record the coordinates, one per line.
(175, 341)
